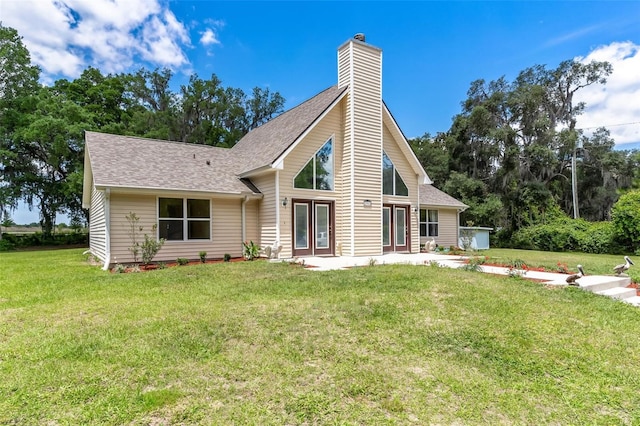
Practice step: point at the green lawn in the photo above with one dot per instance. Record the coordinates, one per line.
(259, 343)
(594, 264)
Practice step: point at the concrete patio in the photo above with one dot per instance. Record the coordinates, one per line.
(605, 285)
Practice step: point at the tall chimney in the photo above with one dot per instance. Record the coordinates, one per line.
(360, 68)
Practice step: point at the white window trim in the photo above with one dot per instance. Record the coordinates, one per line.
(185, 221)
(313, 159)
(395, 170)
(427, 222)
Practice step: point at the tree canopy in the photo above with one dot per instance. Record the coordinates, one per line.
(508, 153)
(42, 127)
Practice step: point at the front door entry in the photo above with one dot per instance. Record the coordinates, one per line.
(395, 228)
(313, 228)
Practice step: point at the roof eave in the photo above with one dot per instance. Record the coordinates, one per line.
(132, 189)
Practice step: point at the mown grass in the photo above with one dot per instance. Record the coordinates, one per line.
(594, 264)
(260, 343)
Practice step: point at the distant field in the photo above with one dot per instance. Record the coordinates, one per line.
(22, 230)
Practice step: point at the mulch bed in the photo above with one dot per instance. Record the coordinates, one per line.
(163, 265)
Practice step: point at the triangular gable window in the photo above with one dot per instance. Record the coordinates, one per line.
(318, 172)
(392, 183)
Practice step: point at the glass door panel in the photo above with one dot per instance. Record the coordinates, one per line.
(322, 226)
(400, 228)
(301, 226)
(386, 229)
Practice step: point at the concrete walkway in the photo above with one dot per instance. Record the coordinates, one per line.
(606, 285)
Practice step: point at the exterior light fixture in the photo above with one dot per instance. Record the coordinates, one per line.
(366, 203)
(285, 201)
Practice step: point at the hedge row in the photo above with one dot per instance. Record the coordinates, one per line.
(564, 235)
(38, 239)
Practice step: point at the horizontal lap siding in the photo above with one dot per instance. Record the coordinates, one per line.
(367, 130)
(343, 213)
(447, 227)
(266, 209)
(410, 179)
(252, 230)
(343, 210)
(226, 229)
(330, 125)
(144, 206)
(97, 225)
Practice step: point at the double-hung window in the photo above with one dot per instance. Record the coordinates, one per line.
(184, 219)
(428, 223)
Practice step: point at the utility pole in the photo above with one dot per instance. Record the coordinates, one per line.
(574, 184)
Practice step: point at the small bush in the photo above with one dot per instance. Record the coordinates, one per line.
(250, 250)
(227, 257)
(149, 248)
(182, 261)
(203, 256)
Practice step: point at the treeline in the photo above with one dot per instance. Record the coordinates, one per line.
(509, 152)
(42, 127)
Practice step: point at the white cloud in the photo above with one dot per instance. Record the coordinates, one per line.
(66, 36)
(209, 37)
(617, 103)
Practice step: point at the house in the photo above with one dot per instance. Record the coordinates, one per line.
(333, 176)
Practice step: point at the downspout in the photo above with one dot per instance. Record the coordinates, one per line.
(107, 228)
(244, 218)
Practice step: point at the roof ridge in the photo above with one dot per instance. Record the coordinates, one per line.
(141, 138)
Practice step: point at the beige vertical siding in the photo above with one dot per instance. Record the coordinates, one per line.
(363, 146)
(410, 179)
(266, 209)
(226, 229)
(98, 225)
(329, 126)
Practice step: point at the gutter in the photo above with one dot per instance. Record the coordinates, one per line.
(244, 217)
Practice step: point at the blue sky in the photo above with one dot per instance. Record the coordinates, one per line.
(432, 51)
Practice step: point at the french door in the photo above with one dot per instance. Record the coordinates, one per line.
(313, 228)
(395, 228)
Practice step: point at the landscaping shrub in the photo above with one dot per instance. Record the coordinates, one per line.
(625, 216)
(567, 235)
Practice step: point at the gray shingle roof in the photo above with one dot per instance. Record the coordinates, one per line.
(132, 162)
(263, 145)
(432, 196)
